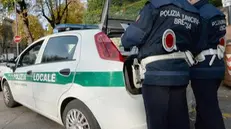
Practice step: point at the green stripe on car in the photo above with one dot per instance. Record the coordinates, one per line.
(87, 79)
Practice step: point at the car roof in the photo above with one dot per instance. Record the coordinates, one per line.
(71, 32)
(66, 27)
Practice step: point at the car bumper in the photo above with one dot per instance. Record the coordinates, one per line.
(114, 108)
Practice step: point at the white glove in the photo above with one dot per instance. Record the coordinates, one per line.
(189, 59)
(220, 51)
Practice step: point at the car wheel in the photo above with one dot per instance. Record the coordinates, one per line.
(77, 116)
(7, 96)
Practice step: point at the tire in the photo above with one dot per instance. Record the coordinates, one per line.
(7, 96)
(79, 108)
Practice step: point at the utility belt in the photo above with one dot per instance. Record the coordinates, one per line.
(219, 52)
(139, 69)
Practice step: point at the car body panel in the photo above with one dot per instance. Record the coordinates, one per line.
(113, 107)
(3, 69)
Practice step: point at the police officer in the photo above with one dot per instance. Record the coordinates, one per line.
(207, 75)
(164, 32)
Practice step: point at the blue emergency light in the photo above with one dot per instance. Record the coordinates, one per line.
(68, 27)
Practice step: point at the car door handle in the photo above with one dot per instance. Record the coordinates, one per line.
(65, 72)
(29, 72)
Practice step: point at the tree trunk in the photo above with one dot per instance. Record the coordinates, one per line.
(29, 36)
(52, 23)
(7, 53)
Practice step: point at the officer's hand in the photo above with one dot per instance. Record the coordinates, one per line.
(220, 51)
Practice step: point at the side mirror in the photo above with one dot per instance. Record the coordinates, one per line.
(11, 64)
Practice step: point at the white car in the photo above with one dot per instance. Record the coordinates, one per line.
(3, 69)
(74, 81)
(77, 79)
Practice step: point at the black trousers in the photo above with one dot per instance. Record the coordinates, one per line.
(209, 115)
(166, 107)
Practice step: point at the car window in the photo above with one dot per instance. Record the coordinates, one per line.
(60, 49)
(30, 55)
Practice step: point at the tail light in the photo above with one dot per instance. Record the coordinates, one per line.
(106, 48)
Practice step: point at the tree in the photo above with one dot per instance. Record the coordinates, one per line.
(22, 11)
(58, 10)
(74, 14)
(6, 35)
(35, 28)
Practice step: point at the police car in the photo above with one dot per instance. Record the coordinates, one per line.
(3, 69)
(78, 78)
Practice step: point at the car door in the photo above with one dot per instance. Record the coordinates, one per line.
(55, 73)
(23, 83)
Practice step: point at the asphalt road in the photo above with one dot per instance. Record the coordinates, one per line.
(225, 105)
(23, 118)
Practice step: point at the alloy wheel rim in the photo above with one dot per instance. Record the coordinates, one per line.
(76, 120)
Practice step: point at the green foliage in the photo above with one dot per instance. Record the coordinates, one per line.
(216, 3)
(22, 5)
(8, 4)
(93, 13)
(127, 9)
(92, 17)
(74, 14)
(95, 4)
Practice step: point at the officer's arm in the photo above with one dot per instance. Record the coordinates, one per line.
(202, 40)
(137, 32)
(219, 26)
